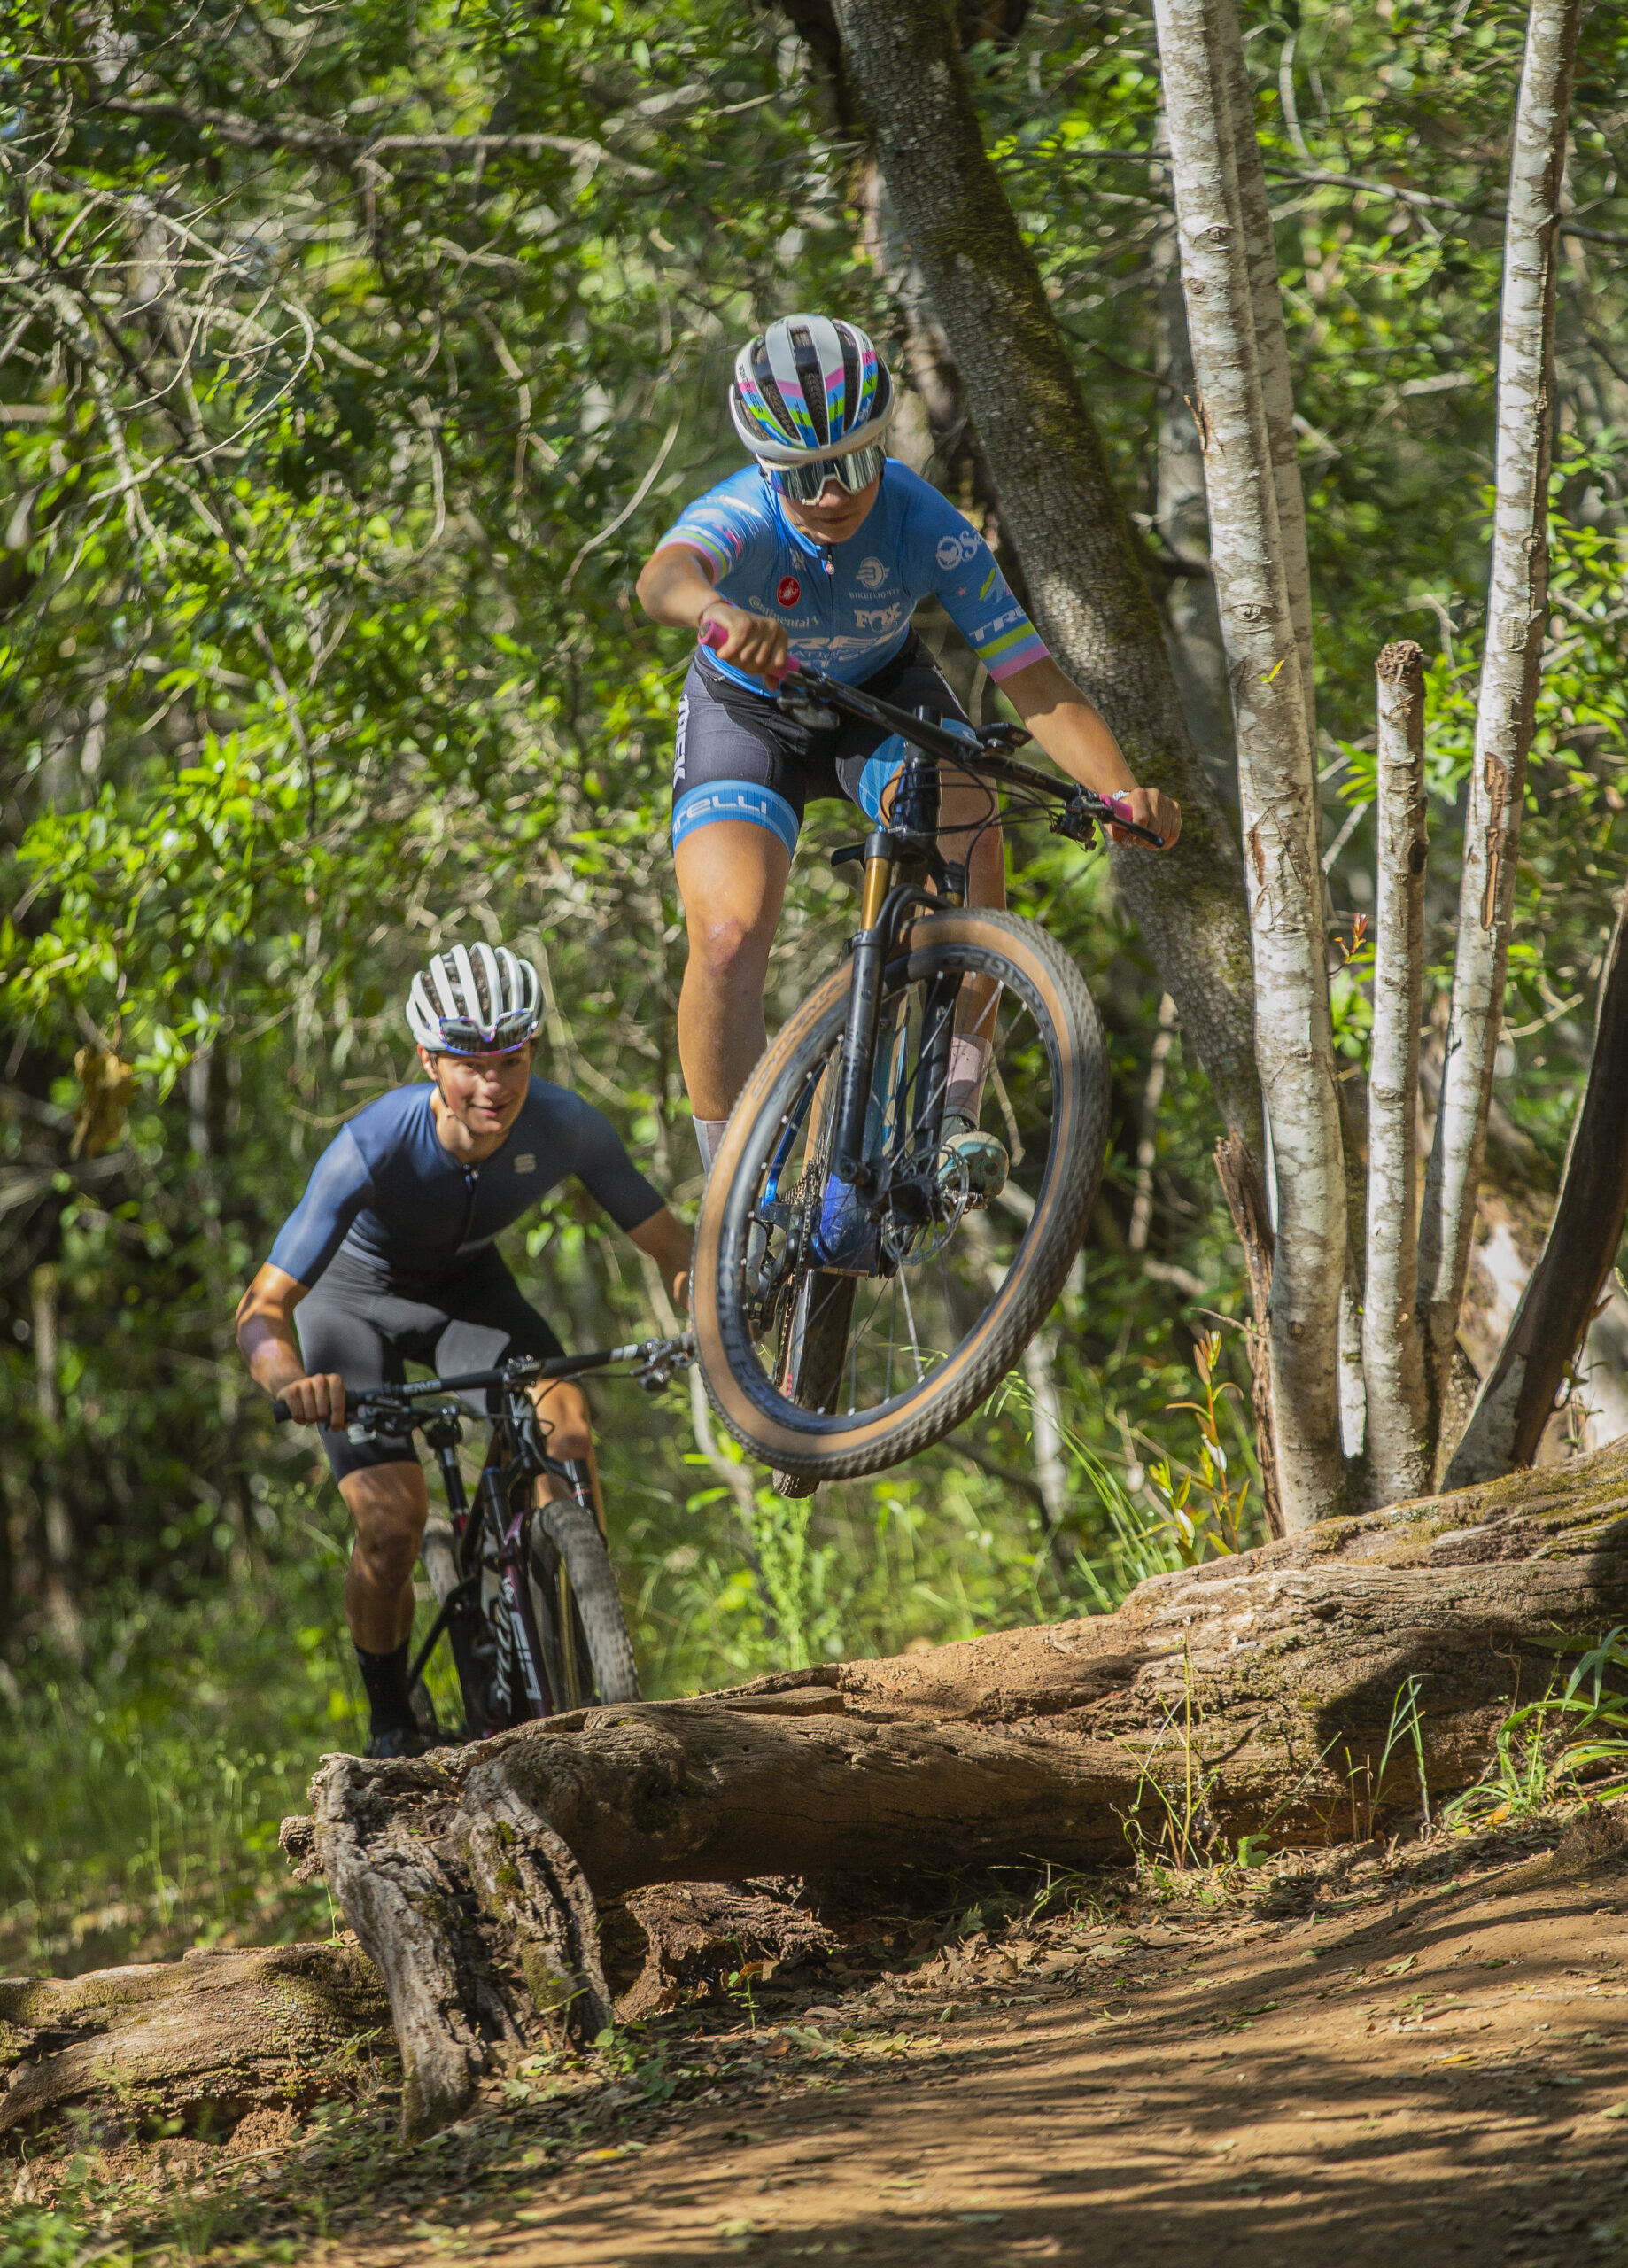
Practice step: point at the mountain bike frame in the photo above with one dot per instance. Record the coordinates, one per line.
(496, 1540)
(900, 857)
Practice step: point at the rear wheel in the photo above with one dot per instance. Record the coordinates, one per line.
(586, 1649)
(947, 1289)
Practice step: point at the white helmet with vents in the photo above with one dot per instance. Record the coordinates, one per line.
(475, 1000)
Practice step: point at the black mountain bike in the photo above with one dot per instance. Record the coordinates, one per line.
(854, 1298)
(525, 1592)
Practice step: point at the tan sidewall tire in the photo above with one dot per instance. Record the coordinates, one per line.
(833, 1449)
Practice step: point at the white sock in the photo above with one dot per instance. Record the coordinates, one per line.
(709, 1134)
(969, 1067)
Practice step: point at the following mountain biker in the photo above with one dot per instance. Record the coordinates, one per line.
(389, 1258)
(818, 553)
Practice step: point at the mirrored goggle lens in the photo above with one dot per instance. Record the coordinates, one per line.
(805, 483)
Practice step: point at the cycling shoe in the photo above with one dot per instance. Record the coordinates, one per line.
(966, 1146)
(408, 1740)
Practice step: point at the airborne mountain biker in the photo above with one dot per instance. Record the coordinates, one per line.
(819, 552)
(389, 1258)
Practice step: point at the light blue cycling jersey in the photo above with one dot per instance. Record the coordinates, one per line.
(847, 607)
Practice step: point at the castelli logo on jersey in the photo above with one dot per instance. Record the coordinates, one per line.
(790, 590)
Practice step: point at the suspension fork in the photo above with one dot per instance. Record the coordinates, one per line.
(864, 989)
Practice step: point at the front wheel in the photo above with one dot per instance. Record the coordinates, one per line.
(578, 1609)
(949, 1285)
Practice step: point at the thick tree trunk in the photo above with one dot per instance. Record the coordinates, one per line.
(1276, 776)
(1252, 1693)
(1558, 1303)
(1090, 596)
(1516, 608)
(1397, 1453)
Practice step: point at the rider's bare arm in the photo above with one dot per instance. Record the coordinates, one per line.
(664, 1236)
(1076, 737)
(675, 587)
(266, 1335)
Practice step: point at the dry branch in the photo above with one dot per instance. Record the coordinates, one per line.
(1558, 1302)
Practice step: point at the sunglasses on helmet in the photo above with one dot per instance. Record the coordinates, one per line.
(805, 484)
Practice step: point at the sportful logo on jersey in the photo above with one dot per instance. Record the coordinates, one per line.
(788, 591)
(952, 549)
(873, 573)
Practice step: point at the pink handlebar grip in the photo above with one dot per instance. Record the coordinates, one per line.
(714, 635)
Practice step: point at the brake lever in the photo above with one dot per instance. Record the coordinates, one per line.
(1086, 810)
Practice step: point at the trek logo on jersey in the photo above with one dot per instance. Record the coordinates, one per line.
(873, 573)
(952, 549)
(788, 590)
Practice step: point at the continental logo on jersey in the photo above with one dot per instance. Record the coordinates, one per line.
(526, 1162)
(873, 573)
(788, 590)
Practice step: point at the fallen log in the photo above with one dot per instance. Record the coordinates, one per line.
(1254, 1694)
(206, 2041)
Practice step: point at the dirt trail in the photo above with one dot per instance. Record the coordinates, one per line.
(1363, 2065)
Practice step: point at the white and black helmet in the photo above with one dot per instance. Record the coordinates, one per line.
(475, 1000)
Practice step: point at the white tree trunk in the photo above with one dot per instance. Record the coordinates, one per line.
(1509, 672)
(1277, 776)
(1271, 351)
(1399, 1459)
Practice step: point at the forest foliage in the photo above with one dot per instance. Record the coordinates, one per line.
(351, 361)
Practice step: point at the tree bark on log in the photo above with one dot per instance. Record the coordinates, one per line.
(1256, 1692)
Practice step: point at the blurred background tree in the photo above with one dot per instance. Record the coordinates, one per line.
(351, 362)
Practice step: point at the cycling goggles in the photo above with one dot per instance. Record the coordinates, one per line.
(805, 484)
(461, 1036)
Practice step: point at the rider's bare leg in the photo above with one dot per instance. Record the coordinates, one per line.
(732, 878)
(964, 804)
(389, 1504)
(563, 1408)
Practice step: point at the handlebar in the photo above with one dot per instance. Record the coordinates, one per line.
(653, 1361)
(987, 750)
